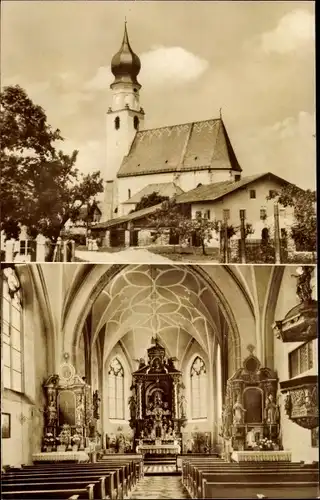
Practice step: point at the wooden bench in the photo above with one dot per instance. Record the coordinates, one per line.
(43, 494)
(107, 479)
(252, 490)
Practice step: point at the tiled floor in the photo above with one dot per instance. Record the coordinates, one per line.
(159, 487)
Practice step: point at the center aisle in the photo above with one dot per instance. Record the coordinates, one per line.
(162, 487)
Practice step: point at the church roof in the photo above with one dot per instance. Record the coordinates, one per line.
(125, 64)
(215, 191)
(186, 147)
(169, 189)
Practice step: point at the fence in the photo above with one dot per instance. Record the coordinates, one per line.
(38, 250)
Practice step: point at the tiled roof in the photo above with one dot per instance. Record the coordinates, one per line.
(169, 189)
(211, 192)
(127, 218)
(186, 147)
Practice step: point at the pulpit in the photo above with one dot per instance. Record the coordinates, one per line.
(251, 416)
(157, 404)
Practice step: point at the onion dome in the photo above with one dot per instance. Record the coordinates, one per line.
(125, 64)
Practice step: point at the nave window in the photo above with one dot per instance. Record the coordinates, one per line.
(116, 390)
(199, 397)
(11, 328)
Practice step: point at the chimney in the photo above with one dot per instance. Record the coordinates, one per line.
(108, 205)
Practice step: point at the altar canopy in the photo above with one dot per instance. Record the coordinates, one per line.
(157, 403)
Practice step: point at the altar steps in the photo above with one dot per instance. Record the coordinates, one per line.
(161, 470)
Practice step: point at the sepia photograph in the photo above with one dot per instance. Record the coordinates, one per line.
(158, 250)
(192, 381)
(158, 131)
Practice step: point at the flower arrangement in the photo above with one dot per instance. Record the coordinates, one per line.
(49, 439)
(64, 435)
(265, 444)
(76, 439)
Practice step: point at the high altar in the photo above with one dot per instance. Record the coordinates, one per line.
(157, 404)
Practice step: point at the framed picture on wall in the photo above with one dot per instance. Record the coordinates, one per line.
(5, 425)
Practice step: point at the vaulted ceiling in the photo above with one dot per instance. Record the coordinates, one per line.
(172, 301)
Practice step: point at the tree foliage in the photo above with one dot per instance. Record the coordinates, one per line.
(304, 228)
(177, 218)
(150, 200)
(40, 185)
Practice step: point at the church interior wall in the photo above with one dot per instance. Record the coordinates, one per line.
(26, 408)
(239, 306)
(294, 437)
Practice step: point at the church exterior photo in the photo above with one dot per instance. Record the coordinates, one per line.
(191, 163)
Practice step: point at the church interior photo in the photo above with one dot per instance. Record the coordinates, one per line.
(137, 373)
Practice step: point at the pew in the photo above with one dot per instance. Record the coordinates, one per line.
(269, 490)
(41, 494)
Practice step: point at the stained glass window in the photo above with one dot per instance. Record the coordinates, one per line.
(116, 390)
(11, 327)
(199, 397)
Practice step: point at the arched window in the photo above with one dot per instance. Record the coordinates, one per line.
(116, 390)
(136, 122)
(199, 397)
(11, 327)
(117, 122)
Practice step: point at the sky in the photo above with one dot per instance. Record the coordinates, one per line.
(254, 60)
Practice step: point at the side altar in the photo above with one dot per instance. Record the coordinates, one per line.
(157, 404)
(251, 415)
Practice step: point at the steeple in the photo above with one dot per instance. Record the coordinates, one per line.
(125, 64)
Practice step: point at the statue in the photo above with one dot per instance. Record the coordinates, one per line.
(271, 411)
(51, 414)
(238, 412)
(142, 363)
(132, 406)
(182, 404)
(96, 405)
(304, 290)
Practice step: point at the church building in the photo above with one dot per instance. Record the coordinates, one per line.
(186, 154)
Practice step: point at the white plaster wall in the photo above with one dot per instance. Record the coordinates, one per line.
(26, 408)
(241, 200)
(185, 180)
(295, 438)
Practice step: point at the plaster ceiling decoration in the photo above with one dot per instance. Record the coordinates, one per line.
(170, 301)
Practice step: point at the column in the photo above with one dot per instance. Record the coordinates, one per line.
(277, 248)
(139, 401)
(41, 248)
(242, 237)
(107, 239)
(9, 250)
(175, 413)
(127, 238)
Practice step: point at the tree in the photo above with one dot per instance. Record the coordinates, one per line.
(149, 200)
(40, 185)
(176, 218)
(304, 228)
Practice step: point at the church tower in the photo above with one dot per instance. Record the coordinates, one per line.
(124, 117)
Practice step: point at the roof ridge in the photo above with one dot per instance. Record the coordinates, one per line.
(140, 132)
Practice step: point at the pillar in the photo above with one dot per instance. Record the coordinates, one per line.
(175, 400)
(277, 247)
(41, 248)
(9, 250)
(107, 239)
(139, 401)
(127, 238)
(242, 237)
